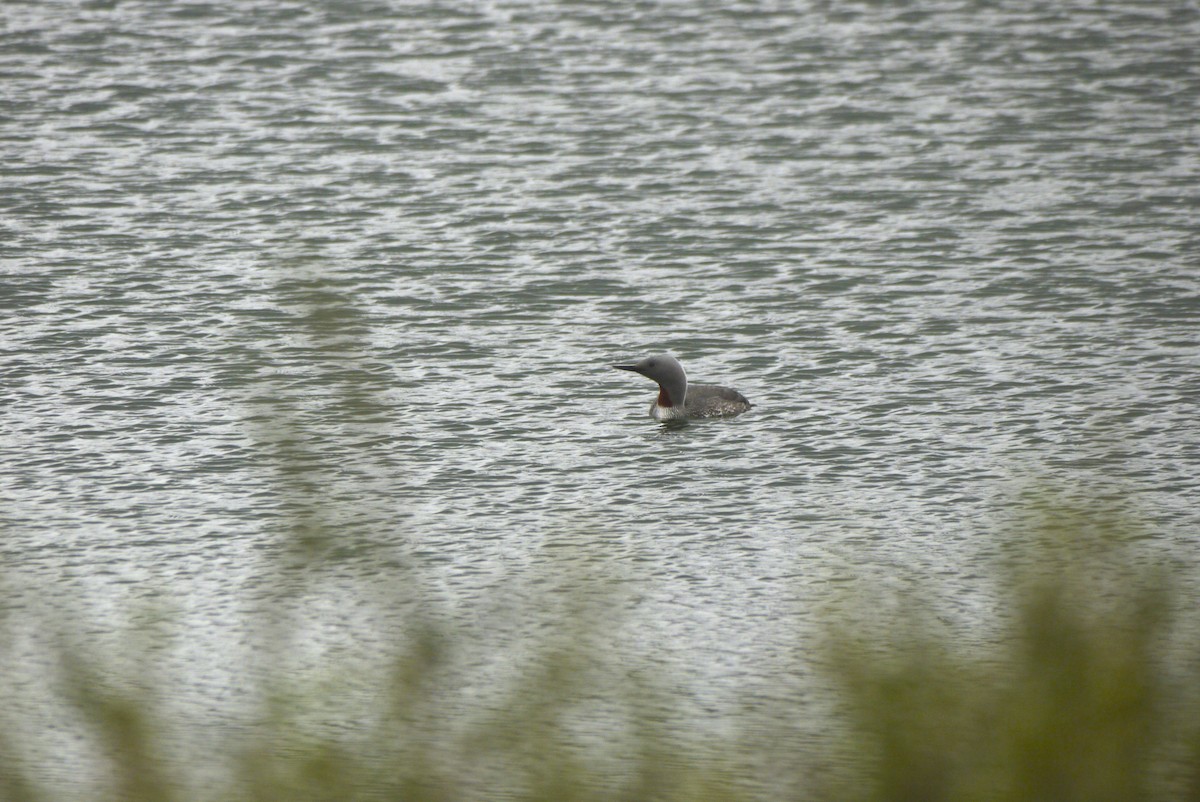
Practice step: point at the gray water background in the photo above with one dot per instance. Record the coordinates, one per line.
(368, 264)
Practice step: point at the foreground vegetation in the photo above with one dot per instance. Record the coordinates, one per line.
(1088, 690)
(1084, 685)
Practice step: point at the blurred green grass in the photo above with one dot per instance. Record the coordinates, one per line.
(1089, 691)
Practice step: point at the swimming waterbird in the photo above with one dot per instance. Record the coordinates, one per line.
(678, 399)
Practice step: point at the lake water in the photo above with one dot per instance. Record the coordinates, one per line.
(364, 267)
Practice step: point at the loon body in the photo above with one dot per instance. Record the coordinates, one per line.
(677, 399)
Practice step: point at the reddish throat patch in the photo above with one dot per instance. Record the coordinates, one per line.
(664, 400)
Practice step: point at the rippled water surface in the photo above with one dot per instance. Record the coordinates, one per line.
(367, 264)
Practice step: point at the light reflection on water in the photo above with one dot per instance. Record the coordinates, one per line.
(369, 270)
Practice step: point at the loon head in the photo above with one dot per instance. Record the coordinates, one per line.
(666, 370)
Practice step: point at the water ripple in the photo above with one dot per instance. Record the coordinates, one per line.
(265, 261)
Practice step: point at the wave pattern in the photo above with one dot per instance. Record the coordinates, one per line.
(370, 263)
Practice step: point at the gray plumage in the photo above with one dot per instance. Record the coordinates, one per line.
(678, 399)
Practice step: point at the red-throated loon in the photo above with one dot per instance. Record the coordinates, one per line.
(678, 399)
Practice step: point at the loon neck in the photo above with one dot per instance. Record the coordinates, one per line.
(670, 402)
(672, 393)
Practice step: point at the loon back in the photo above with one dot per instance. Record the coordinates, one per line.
(714, 401)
